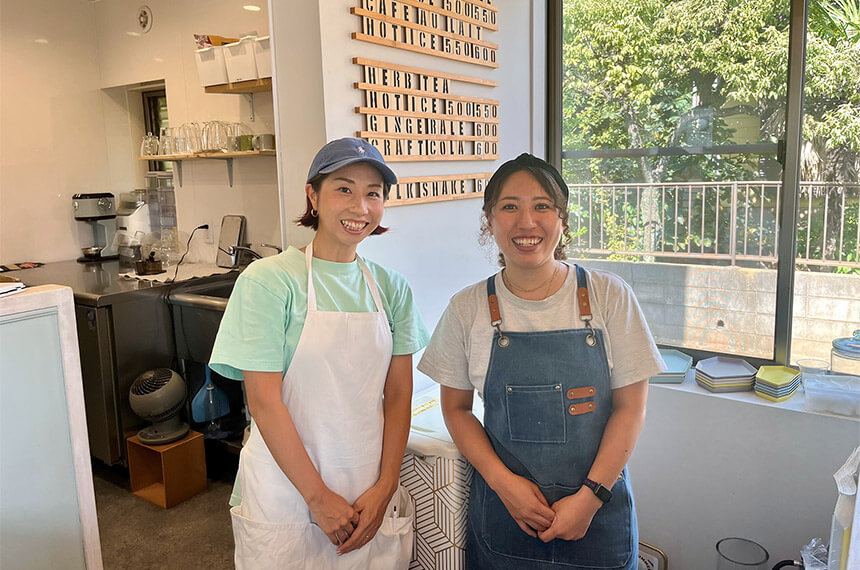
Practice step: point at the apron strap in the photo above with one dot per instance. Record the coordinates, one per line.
(581, 298)
(368, 278)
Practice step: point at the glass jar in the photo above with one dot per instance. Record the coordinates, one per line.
(845, 355)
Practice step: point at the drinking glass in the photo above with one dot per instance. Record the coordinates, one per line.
(149, 145)
(741, 554)
(166, 143)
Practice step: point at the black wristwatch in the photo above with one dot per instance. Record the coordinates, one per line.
(600, 491)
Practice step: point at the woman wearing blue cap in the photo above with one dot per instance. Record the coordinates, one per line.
(324, 340)
(560, 357)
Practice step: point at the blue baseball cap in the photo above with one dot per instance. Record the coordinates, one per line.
(343, 152)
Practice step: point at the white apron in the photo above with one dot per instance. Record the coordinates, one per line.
(333, 391)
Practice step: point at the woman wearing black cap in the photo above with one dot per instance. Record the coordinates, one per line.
(560, 357)
(320, 336)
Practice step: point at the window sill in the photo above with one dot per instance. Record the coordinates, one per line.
(793, 404)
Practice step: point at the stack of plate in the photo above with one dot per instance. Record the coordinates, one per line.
(776, 383)
(677, 364)
(725, 374)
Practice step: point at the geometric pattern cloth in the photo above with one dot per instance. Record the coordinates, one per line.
(439, 487)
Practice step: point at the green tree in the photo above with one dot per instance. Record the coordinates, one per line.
(664, 73)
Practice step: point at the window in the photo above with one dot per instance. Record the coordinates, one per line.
(677, 126)
(154, 120)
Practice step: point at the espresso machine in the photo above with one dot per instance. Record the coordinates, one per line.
(99, 211)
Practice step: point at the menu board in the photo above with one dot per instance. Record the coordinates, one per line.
(414, 114)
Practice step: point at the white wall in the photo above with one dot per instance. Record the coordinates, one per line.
(67, 126)
(52, 141)
(434, 245)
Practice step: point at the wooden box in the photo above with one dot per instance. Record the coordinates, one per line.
(167, 474)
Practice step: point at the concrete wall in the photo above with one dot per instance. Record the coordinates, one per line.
(731, 309)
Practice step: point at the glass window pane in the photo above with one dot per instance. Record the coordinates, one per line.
(671, 115)
(827, 277)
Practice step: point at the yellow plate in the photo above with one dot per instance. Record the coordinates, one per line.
(771, 398)
(776, 376)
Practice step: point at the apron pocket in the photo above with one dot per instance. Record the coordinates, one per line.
(391, 548)
(536, 413)
(263, 545)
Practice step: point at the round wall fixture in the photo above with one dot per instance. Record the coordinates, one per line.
(144, 19)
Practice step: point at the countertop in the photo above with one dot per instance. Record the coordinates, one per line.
(94, 284)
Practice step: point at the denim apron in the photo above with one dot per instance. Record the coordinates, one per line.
(547, 399)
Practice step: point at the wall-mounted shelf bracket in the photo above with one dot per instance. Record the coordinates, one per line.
(229, 161)
(251, 105)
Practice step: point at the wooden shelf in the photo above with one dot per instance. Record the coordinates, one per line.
(177, 157)
(252, 86)
(226, 156)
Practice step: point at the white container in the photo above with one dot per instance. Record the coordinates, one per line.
(438, 478)
(240, 60)
(263, 56)
(833, 393)
(210, 66)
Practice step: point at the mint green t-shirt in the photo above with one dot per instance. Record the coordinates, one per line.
(266, 312)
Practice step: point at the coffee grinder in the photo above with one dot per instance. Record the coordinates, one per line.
(99, 211)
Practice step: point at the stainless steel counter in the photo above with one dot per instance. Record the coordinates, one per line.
(94, 284)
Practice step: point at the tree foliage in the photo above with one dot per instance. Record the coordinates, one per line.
(666, 73)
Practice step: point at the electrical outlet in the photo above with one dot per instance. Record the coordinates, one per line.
(208, 234)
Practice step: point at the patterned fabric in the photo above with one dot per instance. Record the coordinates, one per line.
(440, 490)
(17, 266)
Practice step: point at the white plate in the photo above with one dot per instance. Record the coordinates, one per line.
(719, 367)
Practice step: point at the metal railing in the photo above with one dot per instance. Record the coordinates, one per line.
(725, 222)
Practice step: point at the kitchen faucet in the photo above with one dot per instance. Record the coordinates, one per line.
(235, 252)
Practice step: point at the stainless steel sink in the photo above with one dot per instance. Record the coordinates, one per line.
(197, 307)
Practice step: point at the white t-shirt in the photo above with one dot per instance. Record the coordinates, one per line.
(459, 351)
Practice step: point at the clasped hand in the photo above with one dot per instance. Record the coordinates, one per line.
(349, 527)
(568, 518)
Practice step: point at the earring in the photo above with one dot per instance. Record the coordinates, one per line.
(314, 213)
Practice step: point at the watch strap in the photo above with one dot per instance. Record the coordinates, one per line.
(599, 490)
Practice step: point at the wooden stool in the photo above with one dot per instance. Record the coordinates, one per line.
(167, 474)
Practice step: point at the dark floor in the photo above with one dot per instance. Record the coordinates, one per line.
(136, 534)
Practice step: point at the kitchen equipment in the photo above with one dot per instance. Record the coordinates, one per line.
(208, 405)
(232, 235)
(149, 266)
(740, 553)
(97, 210)
(133, 222)
(845, 355)
(158, 396)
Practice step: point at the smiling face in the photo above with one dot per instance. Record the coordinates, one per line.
(524, 222)
(350, 205)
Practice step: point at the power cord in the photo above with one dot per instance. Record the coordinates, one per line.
(170, 289)
(188, 248)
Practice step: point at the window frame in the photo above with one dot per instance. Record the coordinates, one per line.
(791, 160)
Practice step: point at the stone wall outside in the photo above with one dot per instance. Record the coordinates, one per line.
(731, 309)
